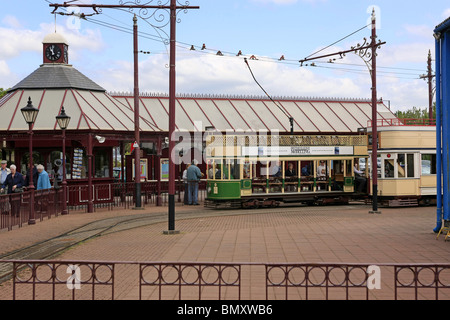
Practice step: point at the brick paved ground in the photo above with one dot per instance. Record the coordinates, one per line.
(345, 234)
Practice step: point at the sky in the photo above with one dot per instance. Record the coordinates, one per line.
(101, 47)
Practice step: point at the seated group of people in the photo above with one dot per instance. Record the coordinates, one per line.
(322, 173)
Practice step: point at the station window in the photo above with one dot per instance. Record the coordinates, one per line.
(429, 164)
(55, 159)
(102, 163)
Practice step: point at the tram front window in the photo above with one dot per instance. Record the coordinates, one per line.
(389, 168)
(401, 166)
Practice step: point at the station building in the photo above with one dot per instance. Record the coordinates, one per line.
(102, 123)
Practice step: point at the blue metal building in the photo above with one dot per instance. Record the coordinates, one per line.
(442, 36)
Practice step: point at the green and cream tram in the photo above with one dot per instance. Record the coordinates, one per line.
(263, 171)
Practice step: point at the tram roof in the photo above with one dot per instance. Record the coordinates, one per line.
(244, 113)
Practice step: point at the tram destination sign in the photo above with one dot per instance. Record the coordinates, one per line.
(275, 151)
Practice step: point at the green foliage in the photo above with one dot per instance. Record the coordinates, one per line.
(416, 113)
(3, 92)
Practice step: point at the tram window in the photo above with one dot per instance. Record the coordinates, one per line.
(235, 170)
(210, 170)
(338, 167)
(246, 170)
(429, 164)
(389, 169)
(410, 164)
(291, 170)
(218, 171)
(306, 168)
(275, 169)
(401, 165)
(323, 170)
(226, 171)
(349, 169)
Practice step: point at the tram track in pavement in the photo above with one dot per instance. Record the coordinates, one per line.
(53, 247)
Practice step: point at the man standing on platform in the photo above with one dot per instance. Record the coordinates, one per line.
(193, 176)
(4, 172)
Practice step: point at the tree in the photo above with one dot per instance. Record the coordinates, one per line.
(416, 113)
(3, 92)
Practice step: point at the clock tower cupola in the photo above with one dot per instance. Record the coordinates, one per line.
(56, 49)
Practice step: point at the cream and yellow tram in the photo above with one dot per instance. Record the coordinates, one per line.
(263, 171)
(406, 163)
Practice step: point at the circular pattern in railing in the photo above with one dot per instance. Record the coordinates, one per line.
(190, 275)
(317, 276)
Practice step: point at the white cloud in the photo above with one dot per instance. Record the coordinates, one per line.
(446, 13)
(209, 74)
(276, 1)
(11, 21)
(285, 2)
(422, 31)
(15, 40)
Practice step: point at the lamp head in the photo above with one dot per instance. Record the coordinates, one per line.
(29, 112)
(63, 119)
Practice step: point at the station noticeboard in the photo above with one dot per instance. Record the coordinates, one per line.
(164, 169)
(144, 170)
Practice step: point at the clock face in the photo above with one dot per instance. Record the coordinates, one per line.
(53, 52)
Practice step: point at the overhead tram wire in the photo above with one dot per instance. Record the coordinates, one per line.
(363, 72)
(291, 119)
(208, 51)
(336, 42)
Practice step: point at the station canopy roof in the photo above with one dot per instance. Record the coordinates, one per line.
(311, 115)
(91, 108)
(53, 86)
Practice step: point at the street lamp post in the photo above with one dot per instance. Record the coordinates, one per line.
(30, 113)
(63, 122)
